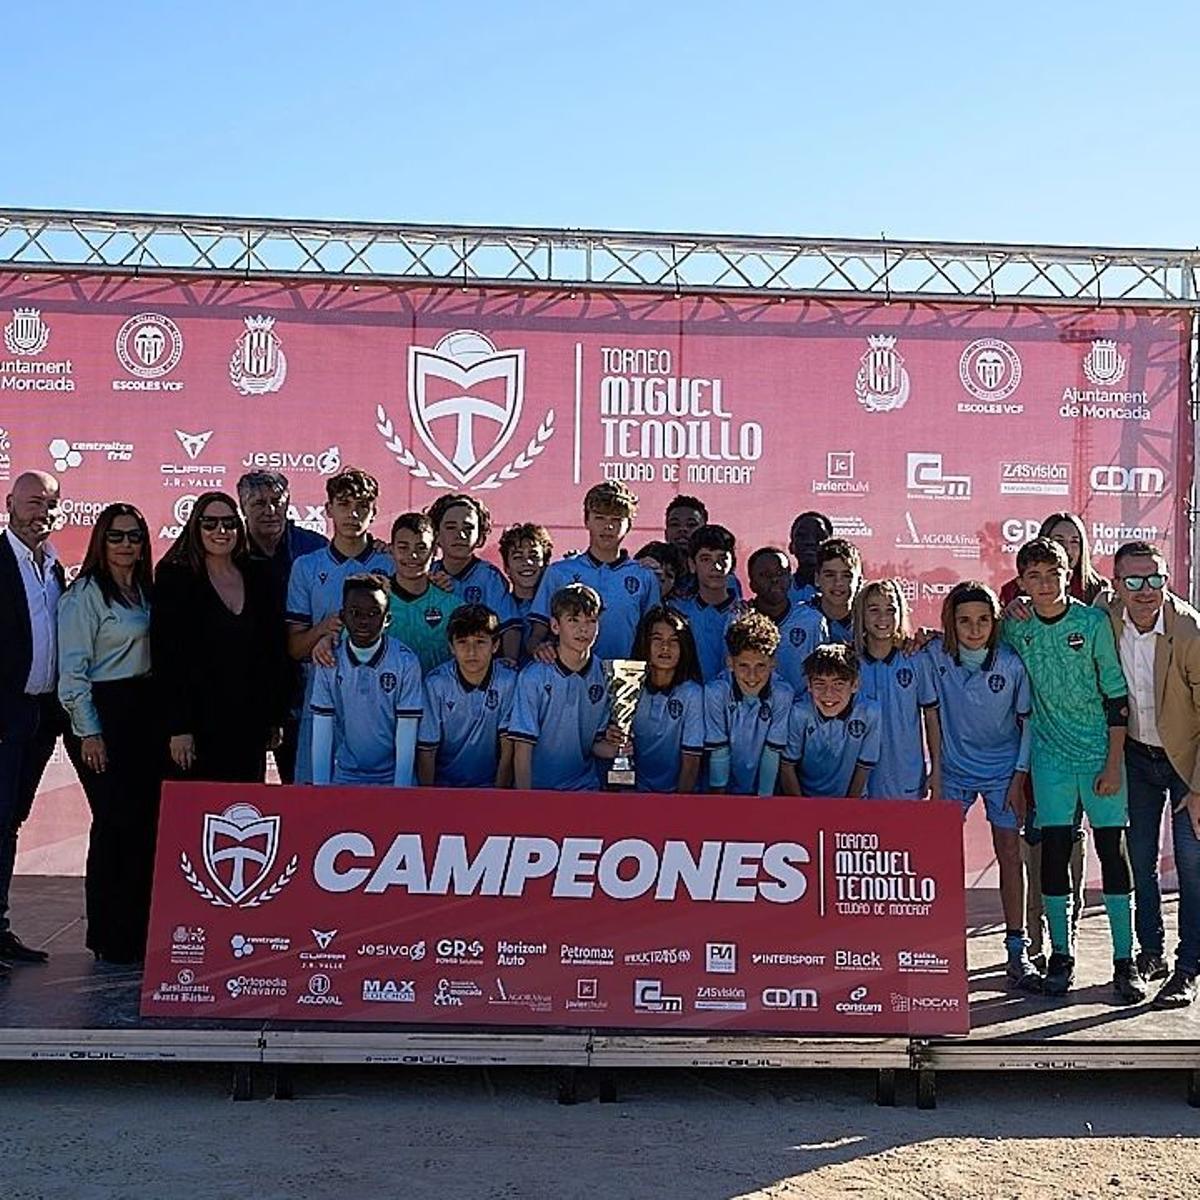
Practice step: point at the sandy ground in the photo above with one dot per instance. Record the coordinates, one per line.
(94, 1133)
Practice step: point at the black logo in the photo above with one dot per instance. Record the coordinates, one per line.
(322, 575)
(473, 594)
(798, 637)
(904, 677)
(675, 708)
(1076, 641)
(996, 683)
(449, 705)
(388, 681)
(632, 585)
(764, 711)
(856, 728)
(492, 699)
(595, 693)
(433, 617)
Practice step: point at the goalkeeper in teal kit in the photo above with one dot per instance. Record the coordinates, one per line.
(1080, 709)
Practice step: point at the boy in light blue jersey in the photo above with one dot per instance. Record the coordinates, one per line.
(710, 612)
(314, 596)
(463, 736)
(809, 530)
(526, 551)
(802, 627)
(418, 612)
(367, 705)
(839, 576)
(984, 708)
(902, 686)
(746, 712)
(833, 736)
(627, 590)
(561, 709)
(461, 525)
(668, 724)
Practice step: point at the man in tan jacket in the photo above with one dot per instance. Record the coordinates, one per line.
(1158, 638)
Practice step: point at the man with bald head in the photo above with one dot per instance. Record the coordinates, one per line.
(31, 582)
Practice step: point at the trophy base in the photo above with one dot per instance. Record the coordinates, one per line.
(621, 777)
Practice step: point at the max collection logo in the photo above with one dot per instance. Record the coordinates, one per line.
(238, 852)
(465, 401)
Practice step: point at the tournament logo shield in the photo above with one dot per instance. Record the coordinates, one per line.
(996, 683)
(239, 850)
(465, 398)
(882, 383)
(258, 364)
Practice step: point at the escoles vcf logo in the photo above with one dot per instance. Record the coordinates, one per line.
(465, 400)
(238, 851)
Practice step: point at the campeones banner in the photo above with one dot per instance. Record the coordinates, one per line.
(539, 909)
(937, 436)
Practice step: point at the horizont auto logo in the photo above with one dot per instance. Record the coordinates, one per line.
(238, 852)
(465, 401)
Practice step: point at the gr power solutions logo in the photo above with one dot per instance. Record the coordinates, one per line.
(466, 399)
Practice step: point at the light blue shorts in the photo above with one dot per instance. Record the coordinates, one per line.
(999, 815)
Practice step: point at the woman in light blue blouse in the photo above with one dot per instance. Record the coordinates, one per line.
(104, 684)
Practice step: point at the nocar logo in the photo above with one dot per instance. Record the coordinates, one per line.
(1138, 481)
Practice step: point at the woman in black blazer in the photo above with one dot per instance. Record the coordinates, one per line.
(218, 641)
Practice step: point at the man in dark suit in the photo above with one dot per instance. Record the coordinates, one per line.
(31, 583)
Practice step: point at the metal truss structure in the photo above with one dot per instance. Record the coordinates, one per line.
(41, 240)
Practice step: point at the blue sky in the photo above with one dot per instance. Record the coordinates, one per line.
(1047, 122)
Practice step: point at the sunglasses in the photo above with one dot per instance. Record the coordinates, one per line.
(114, 537)
(212, 524)
(1135, 583)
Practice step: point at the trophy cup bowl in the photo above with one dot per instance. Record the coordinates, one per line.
(624, 677)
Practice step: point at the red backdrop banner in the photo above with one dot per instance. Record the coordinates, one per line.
(935, 435)
(539, 909)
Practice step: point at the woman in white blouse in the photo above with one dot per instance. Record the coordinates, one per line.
(104, 684)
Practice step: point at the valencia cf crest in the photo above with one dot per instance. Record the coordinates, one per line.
(388, 681)
(996, 683)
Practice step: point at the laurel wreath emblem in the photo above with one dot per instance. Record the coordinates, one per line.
(430, 475)
(201, 888)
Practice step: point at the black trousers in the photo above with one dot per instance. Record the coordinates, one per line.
(32, 726)
(124, 803)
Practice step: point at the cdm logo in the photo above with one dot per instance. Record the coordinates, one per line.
(1136, 481)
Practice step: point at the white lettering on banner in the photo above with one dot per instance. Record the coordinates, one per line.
(870, 878)
(505, 865)
(650, 417)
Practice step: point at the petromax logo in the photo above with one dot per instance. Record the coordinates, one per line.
(454, 389)
(238, 852)
(258, 364)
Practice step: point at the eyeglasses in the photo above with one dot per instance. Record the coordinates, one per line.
(212, 524)
(1135, 583)
(114, 537)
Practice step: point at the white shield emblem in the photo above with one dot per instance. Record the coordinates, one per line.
(1102, 364)
(239, 849)
(258, 364)
(463, 381)
(149, 345)
(26, 333)
(882, 383)
(989, 369)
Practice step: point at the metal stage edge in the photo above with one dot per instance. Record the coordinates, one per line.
(261, 1046)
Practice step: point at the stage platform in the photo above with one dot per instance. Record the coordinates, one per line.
(75, 1009)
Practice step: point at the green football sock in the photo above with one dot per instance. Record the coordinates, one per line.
(1058, 918)
(1120, 923)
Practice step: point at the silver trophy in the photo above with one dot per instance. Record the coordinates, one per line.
(624, 677)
